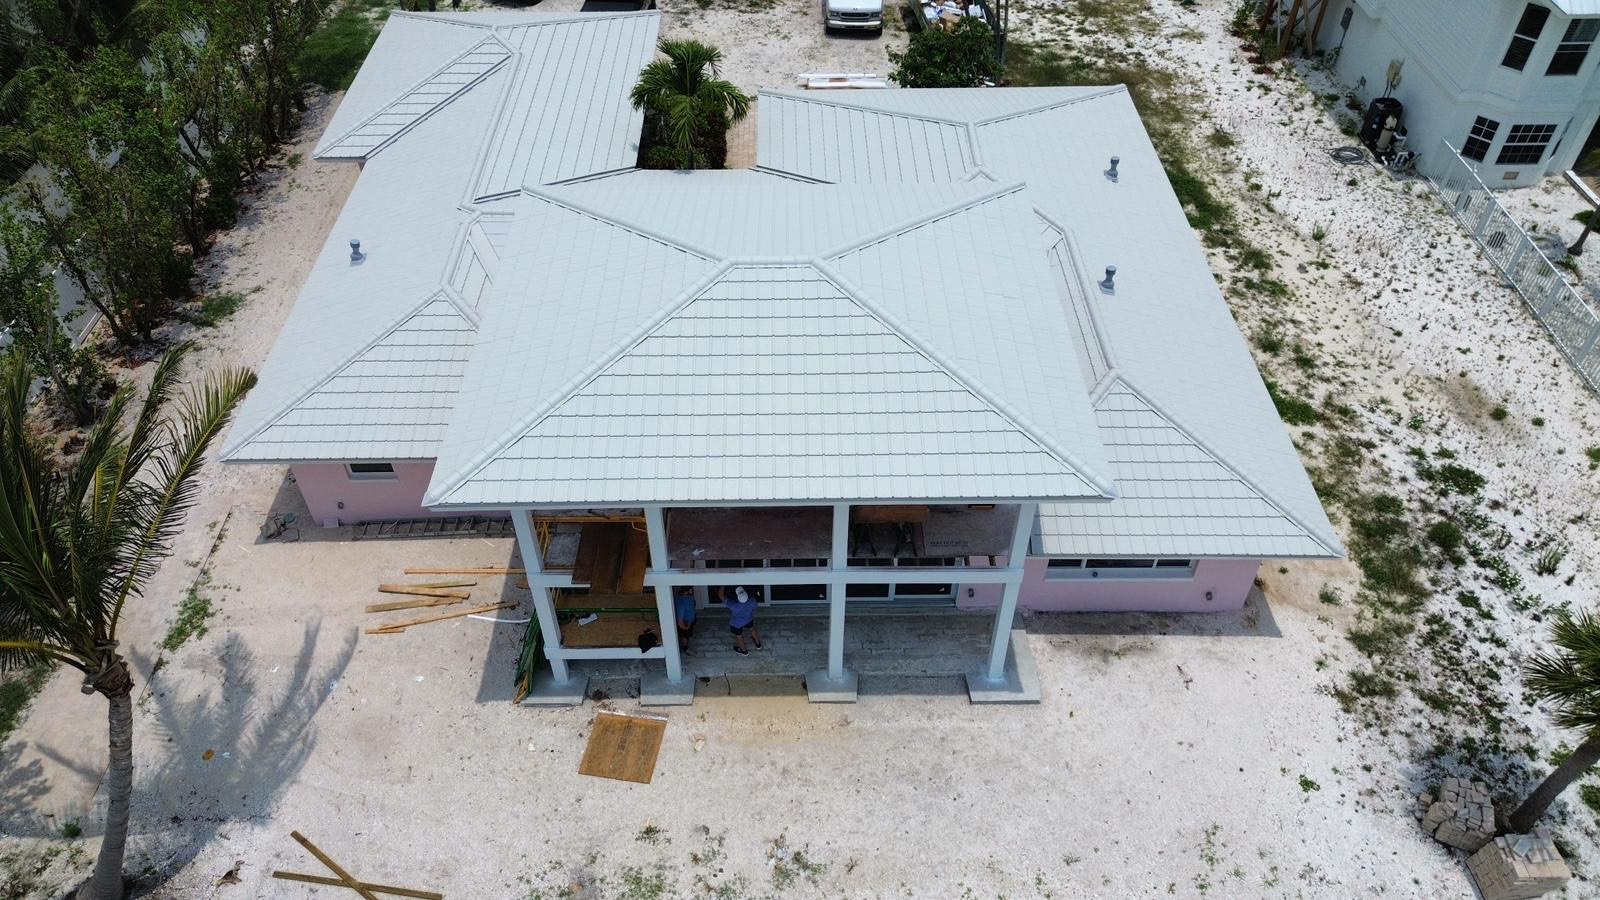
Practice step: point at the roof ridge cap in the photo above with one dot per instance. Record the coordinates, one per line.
(563, 393)
(288, 406)
(447, 19)
(1328, 542)
(489, 38)
(537, 191)
(1053, 104)
(1085, 473)
(908, 225)
(1074, 260)
(806, 97)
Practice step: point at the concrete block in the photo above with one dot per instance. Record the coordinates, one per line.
(546, 691)
(822, 689)
(656, 689)
(1519, 867)
(1021, 681)
(1462, 817)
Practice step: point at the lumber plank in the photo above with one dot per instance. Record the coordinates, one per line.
(889, 515)
(344, 877)
(588, 543)
(635, 561)
(592, 601)
(418, 603)
(422, 592)
(609, 630)
(433, 585)
(397, 627)
(482, 570)
(375, 888)
(608, 558)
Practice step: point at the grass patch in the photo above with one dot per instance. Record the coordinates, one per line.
(193, 614)
(216, 308)
(335, 52)
(1590, 795)
(1447, 536)
(18, 691)
(1293, 410)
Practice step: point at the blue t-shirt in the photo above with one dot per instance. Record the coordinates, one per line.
(684, 605)
(741, 614)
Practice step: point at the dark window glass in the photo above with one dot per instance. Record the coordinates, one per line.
(372, 468)
(1120, 563)
(1480, 138)
(1574, 47)
(1172, 563)
(792, 593)
(1065, 564)
(867, 591)
(1527, 35)
(1525, 144)
(924, 590)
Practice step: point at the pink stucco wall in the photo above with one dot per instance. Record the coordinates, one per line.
(1228, 580)
(326, 485)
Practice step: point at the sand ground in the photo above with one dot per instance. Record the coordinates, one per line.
(1172, 756)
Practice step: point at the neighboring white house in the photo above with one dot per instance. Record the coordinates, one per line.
(1510, 84)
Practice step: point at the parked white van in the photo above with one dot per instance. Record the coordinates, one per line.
(855, 15)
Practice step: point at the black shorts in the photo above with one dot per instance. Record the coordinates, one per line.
(737, 630)
(685, 631)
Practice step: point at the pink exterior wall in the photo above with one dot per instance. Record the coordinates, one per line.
(326, 485)
(1228, 580)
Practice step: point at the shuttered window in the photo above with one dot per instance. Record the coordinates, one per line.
(1574, 47)
(1529, 27)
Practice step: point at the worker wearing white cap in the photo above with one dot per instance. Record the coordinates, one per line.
(741, 618)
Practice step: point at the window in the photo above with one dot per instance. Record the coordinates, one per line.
(1574, 47)
(1119, 567)
(370, 471)
(1525, 144)
(1480, 138)
(1527, 35)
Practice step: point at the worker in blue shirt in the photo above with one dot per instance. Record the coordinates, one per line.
(741, 618)
(684, 609)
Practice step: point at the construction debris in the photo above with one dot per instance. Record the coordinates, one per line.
(434, 585)
(422, 591)
(414, 604)
(484, 570)
(398, 627)
(345, 879)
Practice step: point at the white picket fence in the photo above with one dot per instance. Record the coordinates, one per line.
(1561, 308)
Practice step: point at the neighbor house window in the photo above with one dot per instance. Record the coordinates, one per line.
(371, 471)
(1480, 138)
(1526, 36)
(1574, 47)
(1120, 567)
(1525, 144)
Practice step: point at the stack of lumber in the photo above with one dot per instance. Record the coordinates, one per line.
(435, 593)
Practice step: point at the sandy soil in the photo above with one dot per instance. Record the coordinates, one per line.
(1198, 756)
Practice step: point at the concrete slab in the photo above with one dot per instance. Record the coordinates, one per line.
(546, 691)
(655, 689)
(1021, 681)
(822, 689)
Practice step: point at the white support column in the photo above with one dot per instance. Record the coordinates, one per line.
(543, 608)
(1000, 644)
(655, 523)
(839, 562)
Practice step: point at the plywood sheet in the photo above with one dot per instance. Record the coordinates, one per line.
(623, 748)
(635, 560)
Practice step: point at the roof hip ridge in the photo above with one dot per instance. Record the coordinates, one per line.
(571, 386)
(1328, 542)
(920, 219)
(1085, 473)
(283, 409)
(1074, 260)
(538, 192)
(1053, 104)
(804, 97)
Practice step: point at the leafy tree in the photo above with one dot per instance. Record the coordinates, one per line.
(29, 304)
(961, 57)
(690, 104)
(77, 545)
(268, 37)
(1569, 680)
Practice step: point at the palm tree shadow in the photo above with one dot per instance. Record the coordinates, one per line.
(221, 756)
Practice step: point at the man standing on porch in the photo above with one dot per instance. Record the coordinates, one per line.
(683, 608)
(741, 616)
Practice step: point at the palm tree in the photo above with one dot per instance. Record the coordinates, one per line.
(77, 543)
(691, 102)
(1568, 680)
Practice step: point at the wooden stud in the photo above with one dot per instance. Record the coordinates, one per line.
(1288, 30)
(375, 888)
(484, 570)
(397, 627)
(333, 867)
(422, 592)
(1315, 30)
(434, 585)
(419, 603)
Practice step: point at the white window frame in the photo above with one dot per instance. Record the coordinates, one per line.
(1159, 569)
(353, 475)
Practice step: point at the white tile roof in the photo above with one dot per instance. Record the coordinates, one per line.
(334, 385)
(1166, 330)
(790, 342)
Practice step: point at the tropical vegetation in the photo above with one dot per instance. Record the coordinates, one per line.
(688, 107)
(964, 56)
(1568, 680)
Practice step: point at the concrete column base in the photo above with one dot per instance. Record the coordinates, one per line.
(546, 691)
(657, 689)
(1021, 681)
(822, 689)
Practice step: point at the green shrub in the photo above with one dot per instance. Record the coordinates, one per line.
(1446, 535)
(1590, 795)
(1292, 409)
(1499, 413)
(962, 57)
(1453, 478)
(333, 54)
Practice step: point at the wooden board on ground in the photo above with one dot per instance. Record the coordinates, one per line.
(419, 603)
(398, 627)
(591, 601)
(623, 748)
(610, 630)
(375, 888)
(423, 592)
(635, 560)
(484, 570)
(433, 585)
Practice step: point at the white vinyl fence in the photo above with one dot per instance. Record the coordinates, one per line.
(1571, 321)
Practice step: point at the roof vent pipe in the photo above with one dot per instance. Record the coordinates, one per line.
(1109, 286)
(1111, 173)
(355, 252)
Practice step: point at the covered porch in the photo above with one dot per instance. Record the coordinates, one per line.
(823, 566)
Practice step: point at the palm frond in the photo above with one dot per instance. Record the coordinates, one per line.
(1569, 678)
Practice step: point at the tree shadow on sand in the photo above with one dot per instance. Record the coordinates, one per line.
(224, 755)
